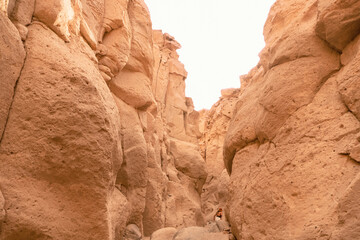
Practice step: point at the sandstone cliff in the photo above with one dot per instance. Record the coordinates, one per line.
(214, 125)
(96, 131)
(98, 141)
(292, 147)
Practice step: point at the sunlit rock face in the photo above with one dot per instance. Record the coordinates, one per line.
(98, 140)
(292, 147)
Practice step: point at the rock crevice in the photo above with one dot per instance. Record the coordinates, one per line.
(11, 68)
(99, 141)
(12, 100)
(98, 125)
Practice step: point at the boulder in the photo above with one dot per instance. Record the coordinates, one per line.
(188, 159)
(56, 14)
(133, 88)
(163, 234)
(23, 11)
(132, 232)
(198, 233)
(190, 233)
(338, 22)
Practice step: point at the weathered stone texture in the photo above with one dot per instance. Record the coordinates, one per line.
(214, 126)
(11, 63)
(98, 140)
(89, 143)
(292, 143)
(338, 22)
(61, 148)
(175, 146)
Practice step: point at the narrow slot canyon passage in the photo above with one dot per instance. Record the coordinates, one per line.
(100, 142)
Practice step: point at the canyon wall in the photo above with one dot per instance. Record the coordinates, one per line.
(99, 141)
(96, 131)
(214, 125)
(292, 147)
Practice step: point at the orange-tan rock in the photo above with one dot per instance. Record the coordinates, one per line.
(11, 64)
(164, 233)
(61, 148)
(175, 192)
(214, 125)
(338, 22)
(99, 141)
(290, 142)
(94, 124)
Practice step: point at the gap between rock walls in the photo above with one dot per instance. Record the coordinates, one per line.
(99, 141)
(89, 115)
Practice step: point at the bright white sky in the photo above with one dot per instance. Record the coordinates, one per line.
(220, 41)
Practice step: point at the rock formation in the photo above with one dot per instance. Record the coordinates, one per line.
(292, 144)
(214, 125)
(176, 168)
(218, 230)
(98, 140)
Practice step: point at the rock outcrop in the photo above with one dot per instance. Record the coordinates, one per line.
(176, 168)
(214, 125)
(292, 144)
(98, 140)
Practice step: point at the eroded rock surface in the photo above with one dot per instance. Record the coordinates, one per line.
(93, 121)
(200, 233)
(164, 233)
(214, 126)
(11, 63)
(61, 147)
(294, 135)
(99, 141)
